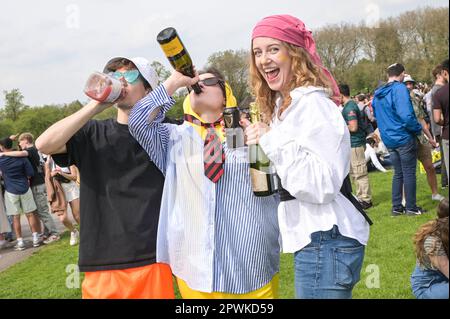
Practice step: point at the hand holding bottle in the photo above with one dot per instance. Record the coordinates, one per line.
(178, 80)
(105, 88)
(177, 54)
(265, 181)
(253, 132)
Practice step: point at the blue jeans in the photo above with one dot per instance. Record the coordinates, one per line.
(329, 267)
(404, 160)
(429, 284)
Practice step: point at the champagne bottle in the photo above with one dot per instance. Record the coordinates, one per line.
(177, 54)
(265, 181)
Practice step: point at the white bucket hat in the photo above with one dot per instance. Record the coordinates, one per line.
(408, 78)
(144, 68)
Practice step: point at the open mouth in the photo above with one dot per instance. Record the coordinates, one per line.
(272, 74)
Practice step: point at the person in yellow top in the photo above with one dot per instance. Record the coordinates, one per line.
(220, 240)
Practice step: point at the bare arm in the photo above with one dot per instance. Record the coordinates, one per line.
(72, 176)
(441, 263)
(15, 154)
(353, 126)
(54, 139)
(437, 117)
(426, 131)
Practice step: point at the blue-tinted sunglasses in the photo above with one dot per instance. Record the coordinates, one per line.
(131, 76)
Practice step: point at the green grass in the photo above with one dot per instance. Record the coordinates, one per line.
(43, 275)
(390, 246)
(390, 250)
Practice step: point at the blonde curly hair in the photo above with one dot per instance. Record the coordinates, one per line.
(305, 73)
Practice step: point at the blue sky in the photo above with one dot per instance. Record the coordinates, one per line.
(49, 48)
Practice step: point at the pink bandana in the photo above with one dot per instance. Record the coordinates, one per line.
(292, 30)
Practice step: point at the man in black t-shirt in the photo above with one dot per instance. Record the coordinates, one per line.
(120, 192)
(440, 112)
(37, 185)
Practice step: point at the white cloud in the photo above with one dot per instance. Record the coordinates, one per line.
(48, 48)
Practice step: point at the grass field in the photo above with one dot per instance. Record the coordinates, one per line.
(388, 263)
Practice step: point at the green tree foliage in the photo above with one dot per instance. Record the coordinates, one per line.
(340, 46)
(234, 66)
(109, 113)
(387, 44)
(362, 79)
(71, 108)
(355, 54)
(359, 55)
(37, 119)
(176, 112)
(6, 128)
(162, 72)
(13, 104)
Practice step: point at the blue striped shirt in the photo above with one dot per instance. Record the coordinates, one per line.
(216, 237)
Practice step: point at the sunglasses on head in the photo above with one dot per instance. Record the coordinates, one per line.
(131, 76)
(211, 81)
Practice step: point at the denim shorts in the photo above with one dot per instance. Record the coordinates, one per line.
(329, 267)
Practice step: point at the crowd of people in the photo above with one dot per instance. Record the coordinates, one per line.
(33, 185)
(159, 200)
(391, 125)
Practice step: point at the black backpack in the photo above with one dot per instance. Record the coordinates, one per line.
(366, 125)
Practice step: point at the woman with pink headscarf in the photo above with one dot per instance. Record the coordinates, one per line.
(305, 137)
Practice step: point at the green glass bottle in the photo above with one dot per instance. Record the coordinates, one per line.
(265, 181)
(177, 54)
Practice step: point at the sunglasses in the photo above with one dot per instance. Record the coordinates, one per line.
(211, 81)
(131, 76)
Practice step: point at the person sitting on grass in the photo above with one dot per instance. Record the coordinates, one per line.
(430, 277)
(374, 154)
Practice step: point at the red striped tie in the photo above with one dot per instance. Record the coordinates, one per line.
(213, 154)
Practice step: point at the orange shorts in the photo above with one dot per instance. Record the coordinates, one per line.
(148, 282)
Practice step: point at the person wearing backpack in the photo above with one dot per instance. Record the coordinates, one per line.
(358, 168)
(367, 117)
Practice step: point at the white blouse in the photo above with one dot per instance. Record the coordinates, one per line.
(310, 148)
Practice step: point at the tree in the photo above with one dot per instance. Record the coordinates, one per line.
(387, 45)
(359, 55)
(363, 77)
(176, 111)
(424, 37)
(234, 66)
(368, 42)
(109, 113)
(6, 128)
(14, 104)
(37, 119)
(162, 72)
(339, 47)
(71, 108)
